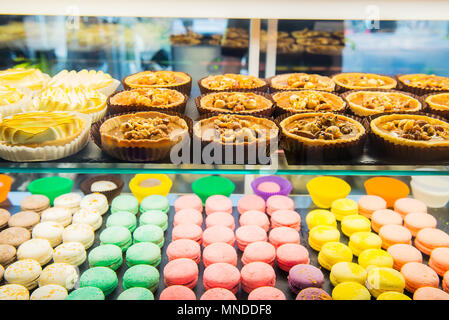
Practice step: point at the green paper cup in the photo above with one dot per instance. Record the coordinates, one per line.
(51, 187)
(212, 185)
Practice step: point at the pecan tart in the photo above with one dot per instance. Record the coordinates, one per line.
(367, 103)
(423, 83)
(322, 135)
(231, 82)
(153, 99)
(307, 101)
(438, 103)
(358, 81)
(142, 136)
(175, 80)
(295, 81)
(235, 102)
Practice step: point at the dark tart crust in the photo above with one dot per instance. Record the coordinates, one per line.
(438, 103)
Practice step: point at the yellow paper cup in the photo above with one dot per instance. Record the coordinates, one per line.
(144, 185)
(325, 190)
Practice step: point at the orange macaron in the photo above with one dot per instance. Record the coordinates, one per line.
(439, 260)
(418, 220)
(418, 275)
(384, 217)
(392, 234)
(404, 206)
(428, 239)
(403, 253)
(446, 282)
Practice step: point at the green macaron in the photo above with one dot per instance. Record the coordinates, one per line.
(107, 255)
(143, 253)
(86, 293)
(143, 276)
(136, 293)
(155, 217)
(155, 202)
(149, 233)
(122, 218)
(100, 277)
(125, 202)
(117, 235)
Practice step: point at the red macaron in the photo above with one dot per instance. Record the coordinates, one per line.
(259, 251)
(181, 271)
(187, 231)
(177, 292)
(184, 248)
(219, 252)
(221, 275)
(266, 293)
(257, 274)
(218, 294)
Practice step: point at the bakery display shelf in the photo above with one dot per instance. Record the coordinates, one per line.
(303, 205)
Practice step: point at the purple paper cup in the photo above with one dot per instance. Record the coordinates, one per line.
(285, 186)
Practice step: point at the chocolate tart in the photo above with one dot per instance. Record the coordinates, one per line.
(421, 84)
(141, 136)
(240, 137)
(322, 135)
(231, 82)
(175, 80)
(152, 99)
(410, 136)
(308, 101)
(438, 103)
(299, 81)
(361, 81)
(248, 103)
(364, 103)
(86, 184)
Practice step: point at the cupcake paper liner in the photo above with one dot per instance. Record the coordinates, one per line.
(205, 90)
(341, 89)
(47, 153)
(115, 108)
(110, 194)
(429, 109)
(183, 88)
(23, 105)
(284, 184)
(110, 89)
(416, 90)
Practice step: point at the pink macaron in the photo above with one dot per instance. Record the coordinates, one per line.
(251, 202)
(187, 231)
(259, 251)
(291, 254)
(268, 187)
(404, 206)
(181, 271)
(184, 248)
(245, 235)
(279, 202)
(217, 203)
(222, 275)
(403, 253)
(439, 260)
(255, 218)
(218, 294)
(220, 219)
(218, 234)
(430, 293)
(281, 235)
(383, 217)
(188, 215)
(188, 201)
(418, 220)
(177, 292)
(257, 274)
(286, 218)
(392, 234)
(418, 275)
(428, 239)
(219, 252)
(266, 293)
(369, 204)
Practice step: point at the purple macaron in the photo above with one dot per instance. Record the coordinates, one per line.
(304, 276)
(312, 293)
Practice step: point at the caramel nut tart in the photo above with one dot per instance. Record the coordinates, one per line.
(41, 135)
(438, 103)
(307, 101)
(235, 102)
(231, 82)
(142, 136)
(297, 81)
(359, 81)
(368, 103)
(159, 79)
(423, 83)
(152, 99)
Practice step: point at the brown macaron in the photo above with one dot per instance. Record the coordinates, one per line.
(14, 236)
(35, 202)
(24, 219)
(4, 217)
(7, 254)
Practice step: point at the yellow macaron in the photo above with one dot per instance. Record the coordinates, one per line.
(319, 235)
(344, 207)
(347, 272)
(375, 257)
(320, 217)
(393, 295)
(332, 253)
(350, 291)
(361, 241)
(355, 223)
(381, 279)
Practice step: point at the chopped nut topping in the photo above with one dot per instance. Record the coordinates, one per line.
(233, 81)
(146, 97)
(383, 102)
(327, 127)
(427, 81)
(416, 130)
(312, 101)
(157, 78)
(235, 101)
(230, 129)
(145, 128)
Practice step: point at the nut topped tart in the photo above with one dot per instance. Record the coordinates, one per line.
(294, 81)
(159, 79)
(91, 79)
(231, 82)
(141, 99)
(235, 102)
(83, 100)
(438, 103)
(31, 78)
(14, 100)
(367, 103)
(40, 135)
(423, 83)
(357, 81)
(142, 136)
(307, 101)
